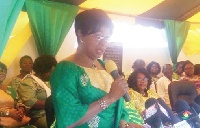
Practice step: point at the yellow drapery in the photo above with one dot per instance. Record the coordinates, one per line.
(18, 38)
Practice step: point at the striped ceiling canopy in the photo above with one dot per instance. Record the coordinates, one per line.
(149, 12)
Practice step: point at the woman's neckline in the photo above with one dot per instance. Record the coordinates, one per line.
(94, 65)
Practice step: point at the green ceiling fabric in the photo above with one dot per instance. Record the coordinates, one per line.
(176, 33)
(50, 23)
(9, 12)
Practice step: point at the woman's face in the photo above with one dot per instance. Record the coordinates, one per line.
(189, 70)
(154, 69)
(26, 65)
(179, 69)
(142, 82)
(2, 75)
(94, 45)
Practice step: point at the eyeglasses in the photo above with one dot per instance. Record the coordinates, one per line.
(101, 38)
(142, 79)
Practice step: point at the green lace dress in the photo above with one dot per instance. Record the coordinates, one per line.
(74, 88)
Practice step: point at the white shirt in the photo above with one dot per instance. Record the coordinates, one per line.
(162, 89)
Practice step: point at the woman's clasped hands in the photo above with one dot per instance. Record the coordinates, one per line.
(16, 114)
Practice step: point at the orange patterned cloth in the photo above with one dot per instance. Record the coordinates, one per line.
(7, 102)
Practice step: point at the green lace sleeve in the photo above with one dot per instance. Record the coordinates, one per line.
(65, 81)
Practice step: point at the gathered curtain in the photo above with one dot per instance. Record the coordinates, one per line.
(9, 12)
(50, 23)
(176, 33)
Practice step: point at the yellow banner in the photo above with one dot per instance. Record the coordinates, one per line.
(20, 34)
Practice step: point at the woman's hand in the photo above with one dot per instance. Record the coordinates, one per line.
(118, 88)
(20, 112)
(16, 114)
(21, 109)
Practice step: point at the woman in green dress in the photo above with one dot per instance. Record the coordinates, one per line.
(84, 95)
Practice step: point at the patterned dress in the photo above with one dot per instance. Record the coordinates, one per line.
(30, 90)
(74, 88)
(15, 82)
(138, 100)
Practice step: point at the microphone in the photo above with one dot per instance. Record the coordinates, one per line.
(181, 105)
(157, 113)
(195, 106)
(149, 102)
(187, 113)
(111, 68)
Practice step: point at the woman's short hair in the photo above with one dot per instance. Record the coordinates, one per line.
(3, 66)
(132, 80)
(44, 64)
(151, 64)
(90, 21)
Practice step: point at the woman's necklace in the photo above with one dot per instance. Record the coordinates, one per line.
(84, 62)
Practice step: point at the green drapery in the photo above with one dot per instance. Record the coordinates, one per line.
(176, 33)
(9, 11)
(50, 23)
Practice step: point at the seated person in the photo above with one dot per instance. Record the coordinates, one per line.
(163, 83)
(153, 69)
(26, 65)
(11, 115)
(189, 74)
(34, 89)
(139, 63)
(178, 72)
(139, 83)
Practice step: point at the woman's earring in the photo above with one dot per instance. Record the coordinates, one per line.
(81, 41)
